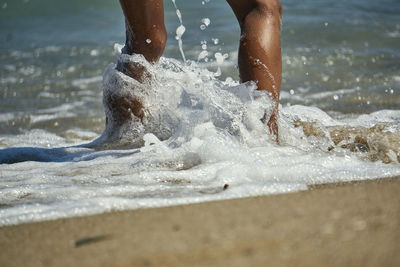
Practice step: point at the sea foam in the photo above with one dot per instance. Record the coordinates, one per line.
(201, 139)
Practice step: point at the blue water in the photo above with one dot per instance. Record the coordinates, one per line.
(327, 46)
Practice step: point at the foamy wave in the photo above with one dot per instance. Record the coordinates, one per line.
(200, 139)
(175, 99)
(62, 111)
(84, 82)
(374, 137)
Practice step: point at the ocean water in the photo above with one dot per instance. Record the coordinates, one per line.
(202, 139)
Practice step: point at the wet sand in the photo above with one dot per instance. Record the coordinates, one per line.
(349, 224)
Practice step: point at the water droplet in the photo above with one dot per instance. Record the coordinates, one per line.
(219, 58)
(206, 21)
(202, 55)
(180, 30)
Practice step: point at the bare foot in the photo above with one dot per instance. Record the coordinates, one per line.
(134, 70)
(273, 126)
(123, 107)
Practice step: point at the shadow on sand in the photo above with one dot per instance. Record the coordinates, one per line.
(60, 154)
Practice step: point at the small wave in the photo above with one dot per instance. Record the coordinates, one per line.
(84, 82)
(200, 139)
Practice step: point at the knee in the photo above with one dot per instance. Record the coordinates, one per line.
(149, 42)
(156, 39)
(269, 7)
(270, 10)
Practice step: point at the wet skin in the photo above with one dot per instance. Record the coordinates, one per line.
(260, 57)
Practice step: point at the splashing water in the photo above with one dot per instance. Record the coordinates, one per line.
(176, 102)
(179, 31)
(201, 139)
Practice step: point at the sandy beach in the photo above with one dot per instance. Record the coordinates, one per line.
(86, 129)
(349, 224)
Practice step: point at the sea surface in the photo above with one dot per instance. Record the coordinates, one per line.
(203, 138)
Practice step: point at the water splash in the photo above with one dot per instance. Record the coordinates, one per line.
(180, 31)
(176, 99)
(198, 135)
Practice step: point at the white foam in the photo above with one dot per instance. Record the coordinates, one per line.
(382, 116)
(199, 134)
(7, 116)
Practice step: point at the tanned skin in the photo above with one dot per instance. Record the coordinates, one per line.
(260, 56)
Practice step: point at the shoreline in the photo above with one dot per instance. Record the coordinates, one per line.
(351, 223)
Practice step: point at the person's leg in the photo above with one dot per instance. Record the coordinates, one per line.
(260, 56)
(145, 31)
(145, 35)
